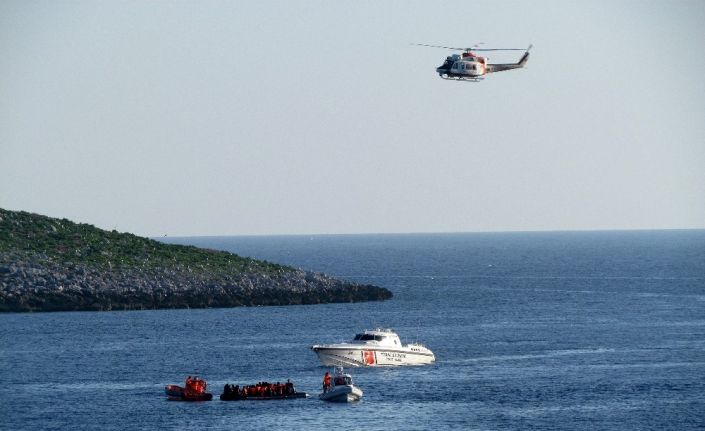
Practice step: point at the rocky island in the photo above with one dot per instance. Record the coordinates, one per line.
(50, 264)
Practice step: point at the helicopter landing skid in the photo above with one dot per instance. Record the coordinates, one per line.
(463, 78)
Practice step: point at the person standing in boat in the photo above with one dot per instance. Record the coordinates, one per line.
(326, 382)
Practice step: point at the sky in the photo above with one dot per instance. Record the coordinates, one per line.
(186, 118)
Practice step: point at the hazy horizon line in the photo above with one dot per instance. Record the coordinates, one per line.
(615, 230)
(450, 232)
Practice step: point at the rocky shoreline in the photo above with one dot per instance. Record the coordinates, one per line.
(62, 276)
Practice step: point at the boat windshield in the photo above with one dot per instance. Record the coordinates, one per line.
(369, 337)
(342, 380)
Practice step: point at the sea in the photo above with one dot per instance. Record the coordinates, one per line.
(544, 330)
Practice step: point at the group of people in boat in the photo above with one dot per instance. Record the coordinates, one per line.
(261, 389)
(195, 385)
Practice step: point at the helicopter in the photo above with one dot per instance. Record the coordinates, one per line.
(468, 66)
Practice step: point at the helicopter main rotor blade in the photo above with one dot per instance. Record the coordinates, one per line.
(472, 48)
(498, 49)
(439, 46)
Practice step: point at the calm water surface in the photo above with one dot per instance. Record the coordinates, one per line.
(600, 330)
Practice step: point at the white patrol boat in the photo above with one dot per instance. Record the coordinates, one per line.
(378, 347)
(342, 389)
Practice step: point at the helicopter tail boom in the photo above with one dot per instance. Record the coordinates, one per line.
(510, 66)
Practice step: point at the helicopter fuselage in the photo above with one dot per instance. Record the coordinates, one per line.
(467, 67)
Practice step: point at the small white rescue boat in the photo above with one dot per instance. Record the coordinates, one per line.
(342, 389)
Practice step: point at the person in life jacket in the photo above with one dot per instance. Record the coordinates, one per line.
(195, 385)
(326, 382)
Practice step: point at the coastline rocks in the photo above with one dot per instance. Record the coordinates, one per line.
(55, 265)
(34, 285)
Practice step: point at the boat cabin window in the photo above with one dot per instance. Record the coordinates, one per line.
(342, 380)
(369, 337)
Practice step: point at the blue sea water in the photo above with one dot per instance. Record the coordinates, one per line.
(589, 330)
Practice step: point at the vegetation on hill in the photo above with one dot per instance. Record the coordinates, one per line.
(49, 264)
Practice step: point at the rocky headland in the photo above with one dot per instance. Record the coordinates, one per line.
(49, 264)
